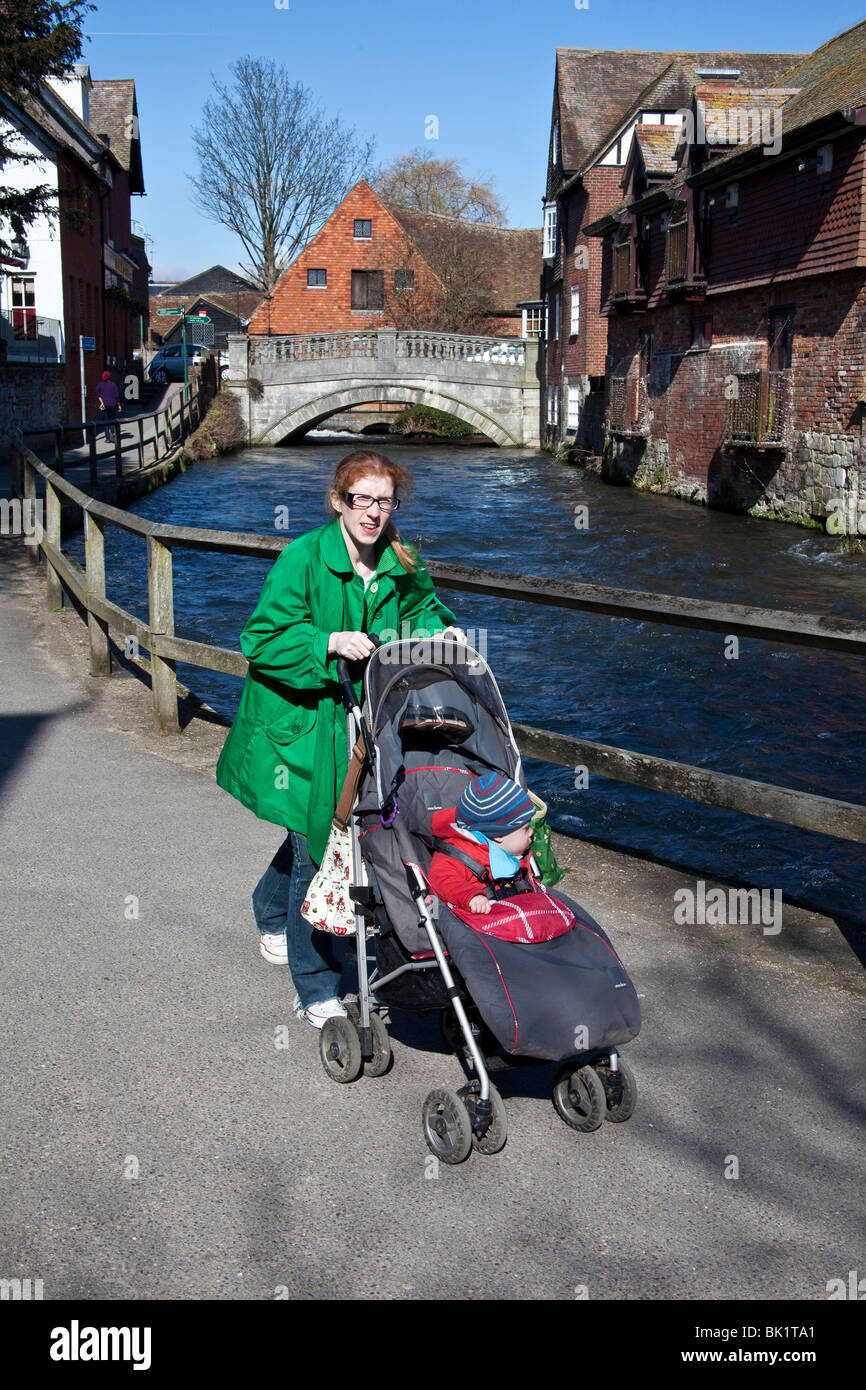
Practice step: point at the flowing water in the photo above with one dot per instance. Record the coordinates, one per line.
(781, 714)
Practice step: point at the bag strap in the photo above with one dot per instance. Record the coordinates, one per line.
(350, 785)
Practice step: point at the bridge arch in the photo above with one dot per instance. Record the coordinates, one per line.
(314, 412)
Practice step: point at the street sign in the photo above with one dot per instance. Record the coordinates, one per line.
(196, 318)
(169, 313)
(88, 344)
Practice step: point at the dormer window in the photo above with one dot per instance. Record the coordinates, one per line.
(549, 248)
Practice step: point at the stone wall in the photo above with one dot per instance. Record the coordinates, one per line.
(31, 394)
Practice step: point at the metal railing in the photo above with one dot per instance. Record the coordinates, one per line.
(824, 815)
(28, 338)
(759, 412)
(172, 423)
(629, 409)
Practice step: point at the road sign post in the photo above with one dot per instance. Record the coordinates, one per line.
(85, 344)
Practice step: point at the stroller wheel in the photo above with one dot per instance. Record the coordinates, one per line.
(620, 1090)
(494, 1137)
(381, 1059)
(579, 1097)
(340, 1049)
(447, 1127)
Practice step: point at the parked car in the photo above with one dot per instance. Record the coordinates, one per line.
(167, 365)
(224, 364)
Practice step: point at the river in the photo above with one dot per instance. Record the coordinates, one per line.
(792, 716)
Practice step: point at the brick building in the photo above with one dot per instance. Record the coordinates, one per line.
(371, 265)
(734, 286)
(600, 97)
(84, 274)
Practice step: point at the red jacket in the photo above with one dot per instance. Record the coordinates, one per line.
(449, 879)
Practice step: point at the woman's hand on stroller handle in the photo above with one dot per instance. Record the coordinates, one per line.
(354, 646)
(454, 631)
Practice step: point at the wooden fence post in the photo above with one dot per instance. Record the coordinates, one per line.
(161, 623)
(118, 450)
(94, 563)
(28, 503)
(53, 587)
(140, 442)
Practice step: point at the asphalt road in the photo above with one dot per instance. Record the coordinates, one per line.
(157, 1143)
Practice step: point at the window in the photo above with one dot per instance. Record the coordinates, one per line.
(781, 338)
(368, 289)
(575, 310)
(573, 407)
(549, 250)
(702, 332)
(317, 279)
(404, 280)
(363, 229)
(531, 326)
(23, 306)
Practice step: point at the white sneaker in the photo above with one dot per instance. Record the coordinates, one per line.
(318, 1014)
(273, 947)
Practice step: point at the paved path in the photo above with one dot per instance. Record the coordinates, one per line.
(77, 460)
(157, 1144)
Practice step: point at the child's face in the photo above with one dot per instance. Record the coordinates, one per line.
(516, 841)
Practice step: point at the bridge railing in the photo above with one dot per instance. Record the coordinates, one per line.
(824, 815)
(389, 344)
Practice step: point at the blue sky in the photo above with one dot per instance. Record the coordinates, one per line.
(483, 67)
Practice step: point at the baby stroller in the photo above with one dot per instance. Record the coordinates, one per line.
(432, 718)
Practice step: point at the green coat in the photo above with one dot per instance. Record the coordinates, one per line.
(285, 756)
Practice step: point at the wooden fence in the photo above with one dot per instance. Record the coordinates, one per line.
(171, 424)
(825, 815)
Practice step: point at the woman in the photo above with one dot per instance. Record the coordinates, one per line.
(285, 756)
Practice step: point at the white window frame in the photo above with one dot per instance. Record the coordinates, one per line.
(549, 247)
(575, 311)
(574, 399)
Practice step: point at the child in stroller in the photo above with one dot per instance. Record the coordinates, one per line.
(433, 728)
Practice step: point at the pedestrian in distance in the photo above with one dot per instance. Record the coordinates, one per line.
(285, 756)
(109, 402)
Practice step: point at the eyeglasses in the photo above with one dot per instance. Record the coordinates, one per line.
(360, 502)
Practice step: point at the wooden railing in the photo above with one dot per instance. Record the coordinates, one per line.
(171, 424)
(824, 815)
(622, 270)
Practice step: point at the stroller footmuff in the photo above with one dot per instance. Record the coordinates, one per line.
(432, 718)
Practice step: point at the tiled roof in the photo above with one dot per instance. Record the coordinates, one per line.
(216, 280)
(600, 89)
(732, 115)
(244, 303)
(830, 79)
(113, 113)
(515, 251)
(658, 147)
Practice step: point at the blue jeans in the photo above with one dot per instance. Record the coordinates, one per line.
(277, 901)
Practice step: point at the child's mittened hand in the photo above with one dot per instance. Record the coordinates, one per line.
(479, 903)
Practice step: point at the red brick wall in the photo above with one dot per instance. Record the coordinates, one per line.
(297, 308)
(81, 260)
(687, 387)
(583, 354)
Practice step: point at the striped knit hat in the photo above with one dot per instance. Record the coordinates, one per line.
(494, 804)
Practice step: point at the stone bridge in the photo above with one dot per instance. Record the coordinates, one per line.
(491, 383)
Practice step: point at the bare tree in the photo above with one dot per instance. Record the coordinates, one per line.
(419, 180)
(459, 296)
(272, 166)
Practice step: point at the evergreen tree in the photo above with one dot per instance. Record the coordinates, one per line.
(41, 38)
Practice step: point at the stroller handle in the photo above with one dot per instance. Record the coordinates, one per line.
(346, 687)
